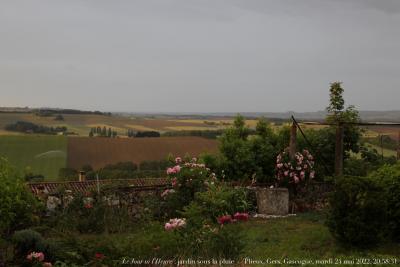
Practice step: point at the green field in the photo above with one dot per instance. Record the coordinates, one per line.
(386, 152)
(36, 154)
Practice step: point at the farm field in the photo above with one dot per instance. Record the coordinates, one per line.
(101, 151)
(36, 154)
(82, 123)
(386, 152)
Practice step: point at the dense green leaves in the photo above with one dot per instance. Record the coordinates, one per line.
(357, 214)
(18, 207)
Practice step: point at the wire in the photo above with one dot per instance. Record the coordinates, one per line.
(317, 152)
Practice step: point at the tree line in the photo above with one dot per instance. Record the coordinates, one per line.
(102, 132)
(29, 127)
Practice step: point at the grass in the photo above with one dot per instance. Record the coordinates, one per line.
(304, 237)
(37, 154)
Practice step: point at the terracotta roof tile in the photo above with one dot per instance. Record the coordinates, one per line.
(82, 187)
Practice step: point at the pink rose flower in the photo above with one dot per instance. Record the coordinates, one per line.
(177, 168)
(39, 256)
(171, 171)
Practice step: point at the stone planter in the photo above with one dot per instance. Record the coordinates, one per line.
(273, 201)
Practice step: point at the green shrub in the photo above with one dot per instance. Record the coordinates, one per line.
(222, 199)
(204, 239)
(18, 208)
(389, 177)
(26, 241)
(357, 211)
(187, 179)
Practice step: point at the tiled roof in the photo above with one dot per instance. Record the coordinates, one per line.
(82, 187)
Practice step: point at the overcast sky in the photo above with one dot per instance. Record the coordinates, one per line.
(199, 56)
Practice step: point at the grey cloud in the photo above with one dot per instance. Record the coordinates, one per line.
(199, 55)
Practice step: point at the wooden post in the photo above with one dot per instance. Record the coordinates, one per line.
(293, 140)
(339, 150)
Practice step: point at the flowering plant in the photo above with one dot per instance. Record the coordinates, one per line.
(166, 192)
(175, 224)
(238, 216)
(224, 219)
(244, 216)
(187, 177)
(37, 259)
(35, 256)
(294, 170)
(189, 173)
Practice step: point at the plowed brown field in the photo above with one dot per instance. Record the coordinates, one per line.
(101, 151)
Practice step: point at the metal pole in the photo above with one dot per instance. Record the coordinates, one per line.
(293, 141)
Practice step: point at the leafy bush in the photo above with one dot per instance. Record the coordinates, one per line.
(222, 199)
(187, 178)
(389, 177)
(19, 208)
(26, 241)
(357, 213)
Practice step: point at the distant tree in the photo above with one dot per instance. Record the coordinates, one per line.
(109, 134)
(67, 174)
(336, 103)
(98, 130)
(104, 131)
(87, 168)
(91, 134)
(148, 134)
(114, 134)
(59, 117)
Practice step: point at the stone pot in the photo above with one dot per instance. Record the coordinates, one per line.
(273, 201)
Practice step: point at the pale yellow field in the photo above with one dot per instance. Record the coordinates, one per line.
(216, 122)
(190, 128)
(138, 127)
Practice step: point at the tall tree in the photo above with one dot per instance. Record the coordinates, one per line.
(338, 114)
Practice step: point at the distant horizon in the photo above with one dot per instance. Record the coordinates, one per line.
(184, 112)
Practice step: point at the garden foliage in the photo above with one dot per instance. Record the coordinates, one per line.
(357, 214)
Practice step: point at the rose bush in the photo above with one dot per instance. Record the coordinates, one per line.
(187, 178)
(294, 171)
